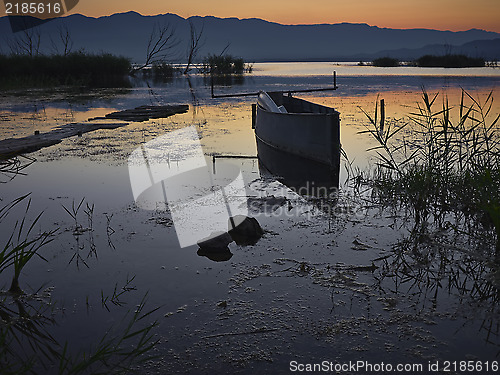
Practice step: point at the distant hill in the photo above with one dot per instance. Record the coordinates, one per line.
(487, 49)
(256, 40)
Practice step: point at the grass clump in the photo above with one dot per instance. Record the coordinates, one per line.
(386, 62)
(163, 69)
(78, 68)
(449, 61)
(224, 65)
(444, 165)
(22, 244)
(28, 344)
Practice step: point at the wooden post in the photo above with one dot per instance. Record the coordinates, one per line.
(382, 116)
(254, 115)
(212, 83)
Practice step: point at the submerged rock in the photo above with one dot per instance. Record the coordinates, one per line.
(220, 255)
(245, 230)
(217, 241)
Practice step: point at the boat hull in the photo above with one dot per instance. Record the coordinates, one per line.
(306, 139)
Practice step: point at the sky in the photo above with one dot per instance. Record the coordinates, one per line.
(455, 15)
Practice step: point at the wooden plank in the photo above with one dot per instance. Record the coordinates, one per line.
(147, 112)
(15, 146)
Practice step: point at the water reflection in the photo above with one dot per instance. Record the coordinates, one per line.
(13, 167)
(324, 292)
(225, 80)
(305, 177)
(222, 255)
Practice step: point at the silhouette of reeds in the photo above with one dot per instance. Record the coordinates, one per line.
(78, 68)
(22, 244)
(27, 345)
(449, 61)
(444, 161)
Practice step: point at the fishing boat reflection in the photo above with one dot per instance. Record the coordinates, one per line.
(303, 176)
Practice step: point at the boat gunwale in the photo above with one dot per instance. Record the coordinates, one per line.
(259, 107)
(274, 94)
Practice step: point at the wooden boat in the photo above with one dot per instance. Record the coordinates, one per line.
(298, 134)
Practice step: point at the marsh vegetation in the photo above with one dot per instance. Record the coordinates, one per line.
(29, 316)
(73, 69)
(449, 61)
(386, 62)
(443, 167)
(400, 264)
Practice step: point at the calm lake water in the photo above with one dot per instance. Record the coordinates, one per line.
(305, 292)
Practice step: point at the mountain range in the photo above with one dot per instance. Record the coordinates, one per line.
(257, 40)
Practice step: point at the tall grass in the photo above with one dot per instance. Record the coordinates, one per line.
(443, 161)
(386, 62)
(115, 354)
(22, 244)
(13, 167)
(449, 61)
(223, 65)
(76, 68)
(26, 343)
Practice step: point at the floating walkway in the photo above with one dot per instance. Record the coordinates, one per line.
(12, 147)
(16, 146)
(145, 113)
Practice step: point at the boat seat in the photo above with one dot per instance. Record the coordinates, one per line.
(266, 102)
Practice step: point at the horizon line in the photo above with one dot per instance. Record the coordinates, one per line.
(264, 20)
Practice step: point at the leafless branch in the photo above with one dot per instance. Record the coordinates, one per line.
(65, 39)
(161, 44)
(28, 43)
(225, 49)
(195, 44)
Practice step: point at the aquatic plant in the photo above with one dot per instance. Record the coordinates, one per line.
(22, 244)
(27, 344)
(12, 167)
(115, 354)
(386, 62)
(223, 65)
(441, 162)
(77, 68)
(75, 208)
(163, 69)
(449, 61)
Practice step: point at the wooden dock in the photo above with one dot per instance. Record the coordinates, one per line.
(16, 146)
(145, 113)
(11, 147)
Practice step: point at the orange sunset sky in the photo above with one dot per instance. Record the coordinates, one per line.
(452, 15)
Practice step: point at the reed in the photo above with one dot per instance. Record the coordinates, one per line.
(78, 68)
(444, 160)
(12, 167)
(26, 342)
(386, 62)
(223, 65)
(22, 244)
(115, 354)
(449, 61)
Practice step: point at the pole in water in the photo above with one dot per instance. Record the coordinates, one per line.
(212, 83)
(382, 116)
